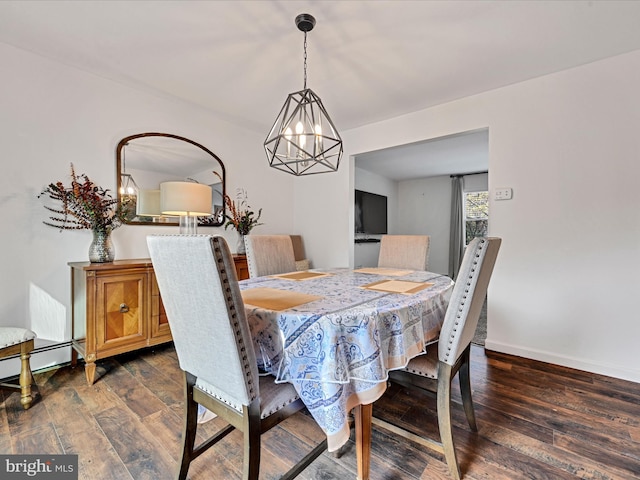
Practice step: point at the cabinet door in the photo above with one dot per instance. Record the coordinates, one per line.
(242, 269)
(122, 304)
(160, 331)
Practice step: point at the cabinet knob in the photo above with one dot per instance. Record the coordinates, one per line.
(124, 308)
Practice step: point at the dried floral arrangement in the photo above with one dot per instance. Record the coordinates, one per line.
(239, 214)
(84, 206)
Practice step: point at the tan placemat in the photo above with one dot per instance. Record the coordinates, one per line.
(398, 286)
(392, 272)
(274, 299)
(305, 275)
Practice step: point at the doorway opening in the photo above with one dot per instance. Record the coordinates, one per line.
(416, 179)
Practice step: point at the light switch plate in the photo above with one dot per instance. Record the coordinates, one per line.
(502, 194)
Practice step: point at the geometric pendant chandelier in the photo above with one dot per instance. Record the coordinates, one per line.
(128, 186)
(303, 139)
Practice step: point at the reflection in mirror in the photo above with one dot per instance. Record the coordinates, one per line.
(146, 160)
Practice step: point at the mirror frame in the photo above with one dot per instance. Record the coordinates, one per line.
(126, 140)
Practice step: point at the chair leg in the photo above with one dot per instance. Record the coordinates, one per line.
(465, 390)
(190, 427)
(251, 433)
(444, 418)
(26, 377)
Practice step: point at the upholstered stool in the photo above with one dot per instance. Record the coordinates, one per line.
(15, 340)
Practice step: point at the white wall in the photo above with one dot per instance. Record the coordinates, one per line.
(565, 282)
(52, 115)
(425, 209)
(476, 183)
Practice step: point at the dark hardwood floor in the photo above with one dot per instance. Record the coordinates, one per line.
(536, 421)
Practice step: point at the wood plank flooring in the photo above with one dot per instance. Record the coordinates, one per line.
(536, 421)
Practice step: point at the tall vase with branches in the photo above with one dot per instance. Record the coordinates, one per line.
(241, 216)
(86, 206)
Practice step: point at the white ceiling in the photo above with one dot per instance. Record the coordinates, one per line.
(456, 154)
(368, 60)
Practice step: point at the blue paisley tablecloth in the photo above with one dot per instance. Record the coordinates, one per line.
(337, 351)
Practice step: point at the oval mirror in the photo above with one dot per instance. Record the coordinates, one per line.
(145, 160)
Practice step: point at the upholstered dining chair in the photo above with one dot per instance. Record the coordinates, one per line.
(302, 262)
(14, 341)
(269, 255)
(197, 280)
(451, 354)
(404, 251)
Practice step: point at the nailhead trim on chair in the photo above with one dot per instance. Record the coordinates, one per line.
(234, 316)
(280, 407)
(17, 335)
(244, 357)
(223, 400)
(454, 331)
(423, 373)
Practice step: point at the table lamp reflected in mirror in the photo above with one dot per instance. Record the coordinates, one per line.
(148, 204)
(188, 200)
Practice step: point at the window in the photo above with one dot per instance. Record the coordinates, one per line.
(476, 215)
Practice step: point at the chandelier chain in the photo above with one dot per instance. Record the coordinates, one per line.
(303, 139)
(305, 60)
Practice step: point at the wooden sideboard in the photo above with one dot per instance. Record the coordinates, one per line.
(242, 269)
(116, 308)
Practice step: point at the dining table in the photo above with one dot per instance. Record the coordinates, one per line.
(334, 334)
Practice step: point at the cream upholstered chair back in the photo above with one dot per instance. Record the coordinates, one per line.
(467, 297)
(269, 255)
(404, 251)
(197, 280)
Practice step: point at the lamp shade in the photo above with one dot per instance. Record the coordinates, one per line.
(185, 199)
(148, 204)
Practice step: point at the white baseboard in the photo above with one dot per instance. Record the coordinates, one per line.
(614, 371)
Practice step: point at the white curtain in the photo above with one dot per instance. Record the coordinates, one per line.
(456, 238)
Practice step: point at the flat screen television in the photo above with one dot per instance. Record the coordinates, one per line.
(370, 213)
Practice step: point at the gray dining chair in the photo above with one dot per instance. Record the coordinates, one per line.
(199, 288)
(451, 354)
(269, 255)
(404, 251)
